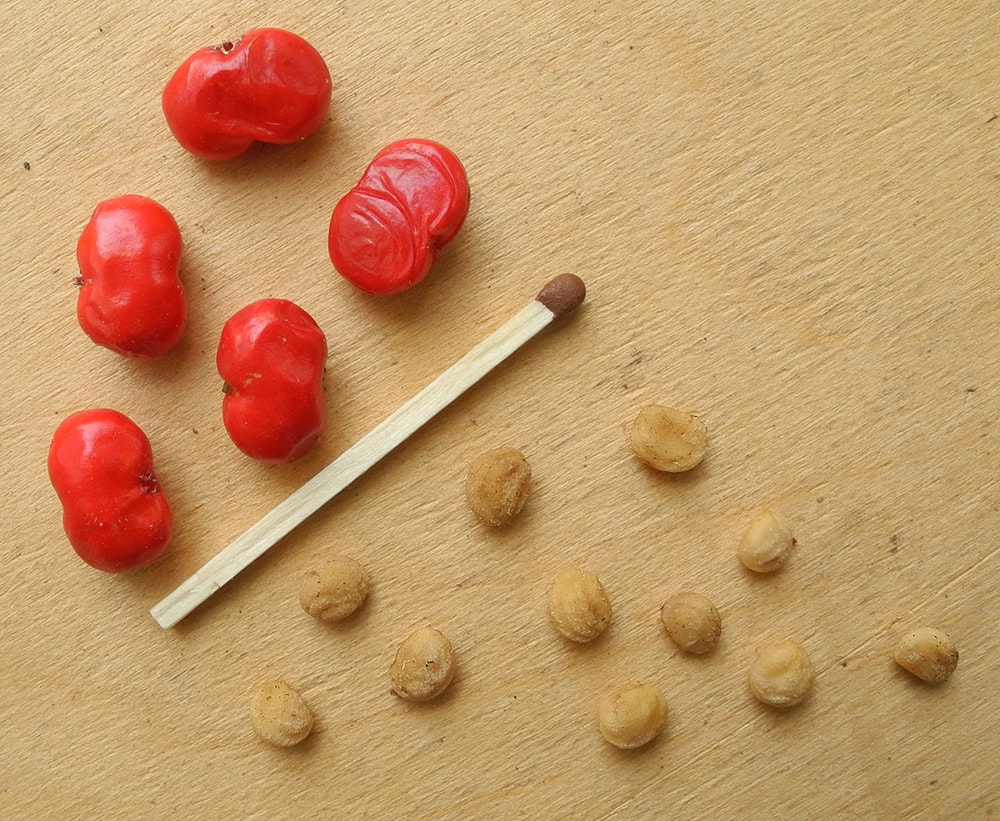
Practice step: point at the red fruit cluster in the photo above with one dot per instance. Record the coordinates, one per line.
(270, 86)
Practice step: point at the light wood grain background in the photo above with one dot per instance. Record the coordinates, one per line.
(786, 214)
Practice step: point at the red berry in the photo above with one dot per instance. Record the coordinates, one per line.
(131, 298)
(386, 231)
(272, 356)
(270, 86)
(114, 510)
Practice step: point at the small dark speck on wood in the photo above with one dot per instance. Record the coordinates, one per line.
(992, 118)
(26, 165)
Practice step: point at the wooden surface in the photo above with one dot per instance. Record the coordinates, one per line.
(786, 216)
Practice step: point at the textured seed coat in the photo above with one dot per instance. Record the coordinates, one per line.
(668, 439)
(335, 590)
(497, 484)
(927, 653)
(578, 605)
(692, 622)
(767, 542)
(632, 716)
(279, 714)
(424, 665)
(782, 674)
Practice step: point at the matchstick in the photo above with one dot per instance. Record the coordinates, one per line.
(559, 297)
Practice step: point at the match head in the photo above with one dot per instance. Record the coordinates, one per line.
(563, 294)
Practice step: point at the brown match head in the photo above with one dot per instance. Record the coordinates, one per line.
(563, 294)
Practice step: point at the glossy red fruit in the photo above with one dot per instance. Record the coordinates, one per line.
(272, 356)
(386, 231)
(131, 298)
(270, 86)
(114, 510)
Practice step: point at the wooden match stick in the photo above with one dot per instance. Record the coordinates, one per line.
(559, 297)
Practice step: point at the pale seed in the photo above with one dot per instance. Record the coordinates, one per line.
(279, 714)
(632, 716)
(782, 674)
(767, 542)
(927, 653)
(578, 605)
(668, 439)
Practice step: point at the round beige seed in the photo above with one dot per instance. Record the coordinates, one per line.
(578, 605)
(767, 542)
(280, 715)
(927, 653)
(692, 622)
(424, 665)
(632, 716)
(782, 674)
(335, 590)
(496, 485)
(668, 439)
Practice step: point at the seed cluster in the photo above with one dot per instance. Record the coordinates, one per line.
(781, 674)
